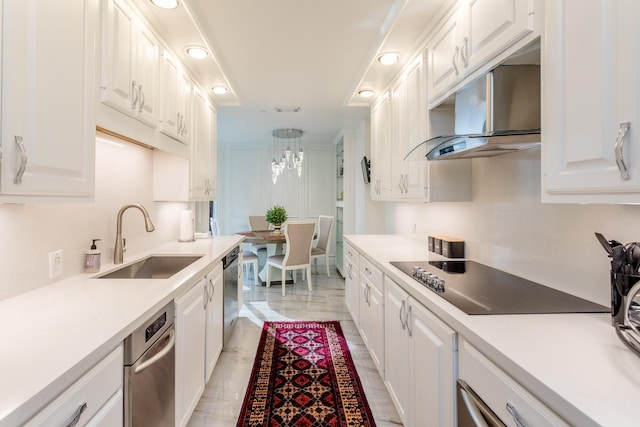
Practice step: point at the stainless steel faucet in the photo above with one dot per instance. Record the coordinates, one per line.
(119, 249)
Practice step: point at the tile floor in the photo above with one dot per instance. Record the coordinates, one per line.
(221, 402)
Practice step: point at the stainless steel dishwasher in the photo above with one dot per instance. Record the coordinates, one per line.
(230, 293)
(149, 372)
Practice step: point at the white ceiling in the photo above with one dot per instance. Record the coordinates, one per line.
(315, 55)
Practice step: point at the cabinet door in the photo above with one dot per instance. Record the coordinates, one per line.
(214, 311)
(147, 49)
(363, 310)
(590, 90)
(380, 150)
(445, 66)
(190, 351)
(202, 156)
(396, 368)
(415, 181)
(493, 25)
(352, 282)
(432, 369)
(171, 119)
(118, 28)
(398, 137)
(48, 77)
(375, 299)
(184, 106)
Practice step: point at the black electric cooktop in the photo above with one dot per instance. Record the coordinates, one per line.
(479, 289)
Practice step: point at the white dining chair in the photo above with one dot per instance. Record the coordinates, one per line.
(323, 245)
(258, 222)
(249, 259)
(297, 256)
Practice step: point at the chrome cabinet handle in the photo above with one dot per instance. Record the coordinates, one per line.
(464, 52)
(23, 160)
(213, 289)
(134, 94)
(76, 416)
(142, 99)
(622, 133)
(402, 317)
(454, 61)
(514, 414)
(178, 122)
(407, 320)
(158, 356)
(207, 297)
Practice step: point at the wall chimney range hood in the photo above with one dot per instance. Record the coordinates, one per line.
(496, 114)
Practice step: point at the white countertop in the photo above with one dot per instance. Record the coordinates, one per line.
(54, 334)
(575, 363)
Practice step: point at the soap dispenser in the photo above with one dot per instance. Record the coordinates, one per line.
(92, 258)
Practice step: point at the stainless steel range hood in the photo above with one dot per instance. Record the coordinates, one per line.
(496, 114)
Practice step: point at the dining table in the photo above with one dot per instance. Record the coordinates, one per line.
(275, 240)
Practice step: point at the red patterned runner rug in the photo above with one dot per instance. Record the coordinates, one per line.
(303, 376)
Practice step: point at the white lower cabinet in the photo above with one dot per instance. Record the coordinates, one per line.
(352, 281)
(93, 400)
(214, 323)
(420, 360)
(508, 399)
(371, 303)
(190, 350)
(199, 334)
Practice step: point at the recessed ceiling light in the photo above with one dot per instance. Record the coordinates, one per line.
(197, 52)
(365, 93)
(165, 4)
(220, 90)
(388, 58)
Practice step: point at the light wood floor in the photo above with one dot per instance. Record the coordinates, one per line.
(222, 399)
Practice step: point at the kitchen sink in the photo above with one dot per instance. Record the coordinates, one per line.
(152, 267)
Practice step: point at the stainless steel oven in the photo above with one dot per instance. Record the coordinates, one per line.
(149, 372)
(472, 411)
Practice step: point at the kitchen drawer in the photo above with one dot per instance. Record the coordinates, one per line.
(371, 272)
(351, 254)
(96, 388)
(497, 390)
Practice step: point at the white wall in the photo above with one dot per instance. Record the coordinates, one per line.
(30, 231)
(245, 186)
(506, 226)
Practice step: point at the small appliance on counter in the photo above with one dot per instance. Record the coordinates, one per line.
(449, 247)
(625, 290)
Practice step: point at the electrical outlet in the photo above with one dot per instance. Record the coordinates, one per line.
(55, 264)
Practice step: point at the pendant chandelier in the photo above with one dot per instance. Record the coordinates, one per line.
(287, 143)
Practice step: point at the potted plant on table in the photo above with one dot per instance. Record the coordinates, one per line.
(277, 215)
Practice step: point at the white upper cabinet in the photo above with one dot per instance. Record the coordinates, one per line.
(381, 149)
(175, 96)
(408, 124)
(491, 26)
(591, 90)
(129, 63)
(203, 149)
(398, 123)
(444, 67)
(478, 31)
(48, 86)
